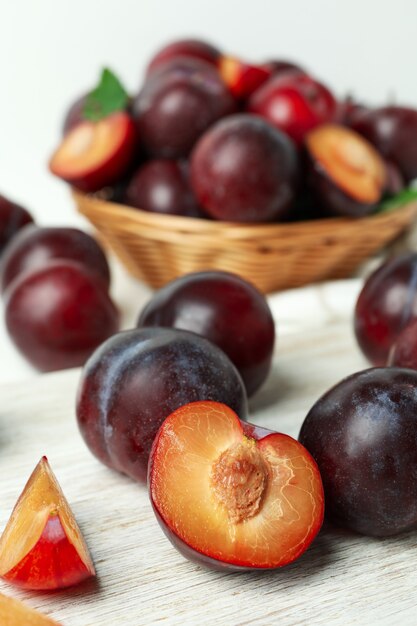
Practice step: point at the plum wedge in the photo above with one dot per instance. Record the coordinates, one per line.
(42, 546)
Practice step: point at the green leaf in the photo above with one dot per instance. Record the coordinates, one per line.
(108, 97)
(404, 197)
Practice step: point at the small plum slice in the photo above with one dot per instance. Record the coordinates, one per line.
(42, 546)
(230, 495)
(96, 154)
(15, 613)
(242, 78)
(348, 175)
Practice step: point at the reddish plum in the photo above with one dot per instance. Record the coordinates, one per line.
(225, 309)
(362, 435)
(386, 304)
(177, 104)
(139, 377)
(13, 217)
(281, 66)
(244, 170)
(294, 103)
(74, 115)
(58, 314)
(393, 131)
(33, 247)
(404, 351)
(162, 186)
(190, 48)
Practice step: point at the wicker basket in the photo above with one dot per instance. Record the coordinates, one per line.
(157, 248)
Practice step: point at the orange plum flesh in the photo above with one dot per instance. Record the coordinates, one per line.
(230, 495)
(42, 546)
(15, 613)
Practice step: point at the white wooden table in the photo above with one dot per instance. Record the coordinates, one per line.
(342, 579)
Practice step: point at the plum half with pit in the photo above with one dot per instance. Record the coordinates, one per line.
(227, 310)
(362, 434)
(386, 304)
(177, 103)
(393, 131)
(244, 170)
(58, 314)
(162, 186)
(294, 103)
(13, 217)
(232, 496)
(35, 246)
(139, 377)
(347, 175)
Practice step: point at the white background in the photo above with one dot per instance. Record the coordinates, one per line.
(53, 50)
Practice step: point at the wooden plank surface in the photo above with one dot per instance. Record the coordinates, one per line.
(342, 579)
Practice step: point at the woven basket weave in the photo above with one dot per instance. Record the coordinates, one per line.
(157, 248)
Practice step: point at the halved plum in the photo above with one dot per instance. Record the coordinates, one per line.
(348, 176)
(42, 546)
(95, 154)
(242, 78)
(230, 495)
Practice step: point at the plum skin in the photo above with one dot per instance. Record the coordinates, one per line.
(386, 304)
(58, 314)
(13, 217)
(362, 434)
(193, 48)
(33, 247)
(231, 313)
(177, 103)
(139, 377)
(162, 186)
(244, 170)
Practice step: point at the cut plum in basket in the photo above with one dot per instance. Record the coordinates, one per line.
(99, 150)
(231, 495)
(42, 546)
(347, 175)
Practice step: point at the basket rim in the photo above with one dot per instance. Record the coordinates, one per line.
(210, 227)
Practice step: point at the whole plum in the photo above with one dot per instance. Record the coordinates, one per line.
(139, 377)
(225, 309)
(363, 436)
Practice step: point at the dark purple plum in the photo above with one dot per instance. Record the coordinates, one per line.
(225, 309)
(404, 351)
(139, 377)
(176, 105)
(385, 306)
(162, 186)
(190, 48)
(244, 170)
(74, 115)
(363, 436)
(13, 217)
(58, 314)
(34, 247)
(393, 131)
